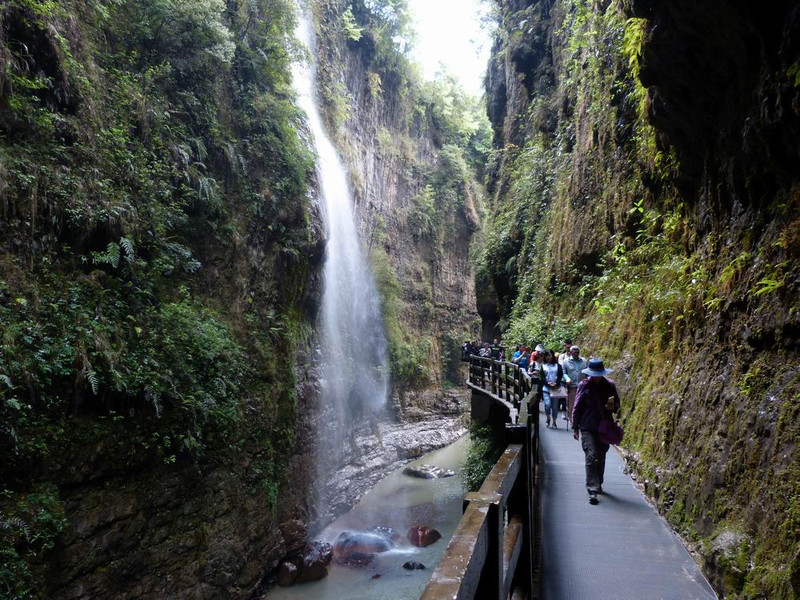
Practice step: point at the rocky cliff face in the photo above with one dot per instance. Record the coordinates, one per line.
(644, 200)
(423, 268)
(394, 149)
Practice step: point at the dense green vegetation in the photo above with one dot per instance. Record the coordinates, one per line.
(155, 247)
(486, 447)
(595, 232)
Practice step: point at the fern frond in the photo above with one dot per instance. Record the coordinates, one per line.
(127, 245)
(153, 399)
(94, 382)
(11, 523)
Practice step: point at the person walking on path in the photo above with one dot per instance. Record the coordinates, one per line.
(551, 378)
(565, 354)
(573, 366)
(597, 399)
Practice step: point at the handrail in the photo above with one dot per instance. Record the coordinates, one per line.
(503, 380)
(490, 556)
(479, 538)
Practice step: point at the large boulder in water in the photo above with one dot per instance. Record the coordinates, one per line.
(427, 472)
(314, 562)
(363, 542)
(422, 536)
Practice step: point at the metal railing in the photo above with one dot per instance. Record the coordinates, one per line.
(491, 554)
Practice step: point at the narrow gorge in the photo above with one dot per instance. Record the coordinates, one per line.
(170, 425)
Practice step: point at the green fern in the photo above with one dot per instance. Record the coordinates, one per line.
(351, 28)
(110, 257)
(767, 286)
(127, 246)
(14, 523)
(94, 382)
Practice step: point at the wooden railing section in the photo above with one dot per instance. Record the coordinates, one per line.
(491, 553)
(502, 379)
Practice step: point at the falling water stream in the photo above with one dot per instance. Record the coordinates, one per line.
(354, 389)
(353, 342)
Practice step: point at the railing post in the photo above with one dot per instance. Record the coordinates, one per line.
(490, 586)
(520, 503)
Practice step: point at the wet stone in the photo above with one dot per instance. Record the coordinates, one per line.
(422, 536)
(350, 542)
(413, 565)
(287, 574)
(428, 472)
(314, 565)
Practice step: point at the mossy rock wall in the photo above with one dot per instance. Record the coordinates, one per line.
(644, 200)
(159, 268)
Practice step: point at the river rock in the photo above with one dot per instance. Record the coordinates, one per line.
(314, 564)
(422, 536)
(355, 559)
(364, 542)
(428, 472)
(287, 574)
(413, 565)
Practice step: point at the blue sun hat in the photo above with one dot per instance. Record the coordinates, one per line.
(596, 368)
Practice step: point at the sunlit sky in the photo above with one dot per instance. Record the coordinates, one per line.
(451, 32)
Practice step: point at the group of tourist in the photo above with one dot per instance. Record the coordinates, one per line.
(558, 376)
(567, 382)
(482, 349)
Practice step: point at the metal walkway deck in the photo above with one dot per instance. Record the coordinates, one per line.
(620, 549)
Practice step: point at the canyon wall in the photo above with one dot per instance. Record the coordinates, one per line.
(160, 280)
(417, 201)
(644, 201)
(417, 207)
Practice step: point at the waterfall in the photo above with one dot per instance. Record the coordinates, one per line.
(352, 338)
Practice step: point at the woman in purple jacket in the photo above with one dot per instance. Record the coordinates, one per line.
(597, 399)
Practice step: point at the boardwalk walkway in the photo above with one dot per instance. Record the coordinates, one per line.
(618, 550)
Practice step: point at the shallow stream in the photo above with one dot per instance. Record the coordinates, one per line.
(398, 501)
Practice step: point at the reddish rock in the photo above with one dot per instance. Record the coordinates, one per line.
(422, 535)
